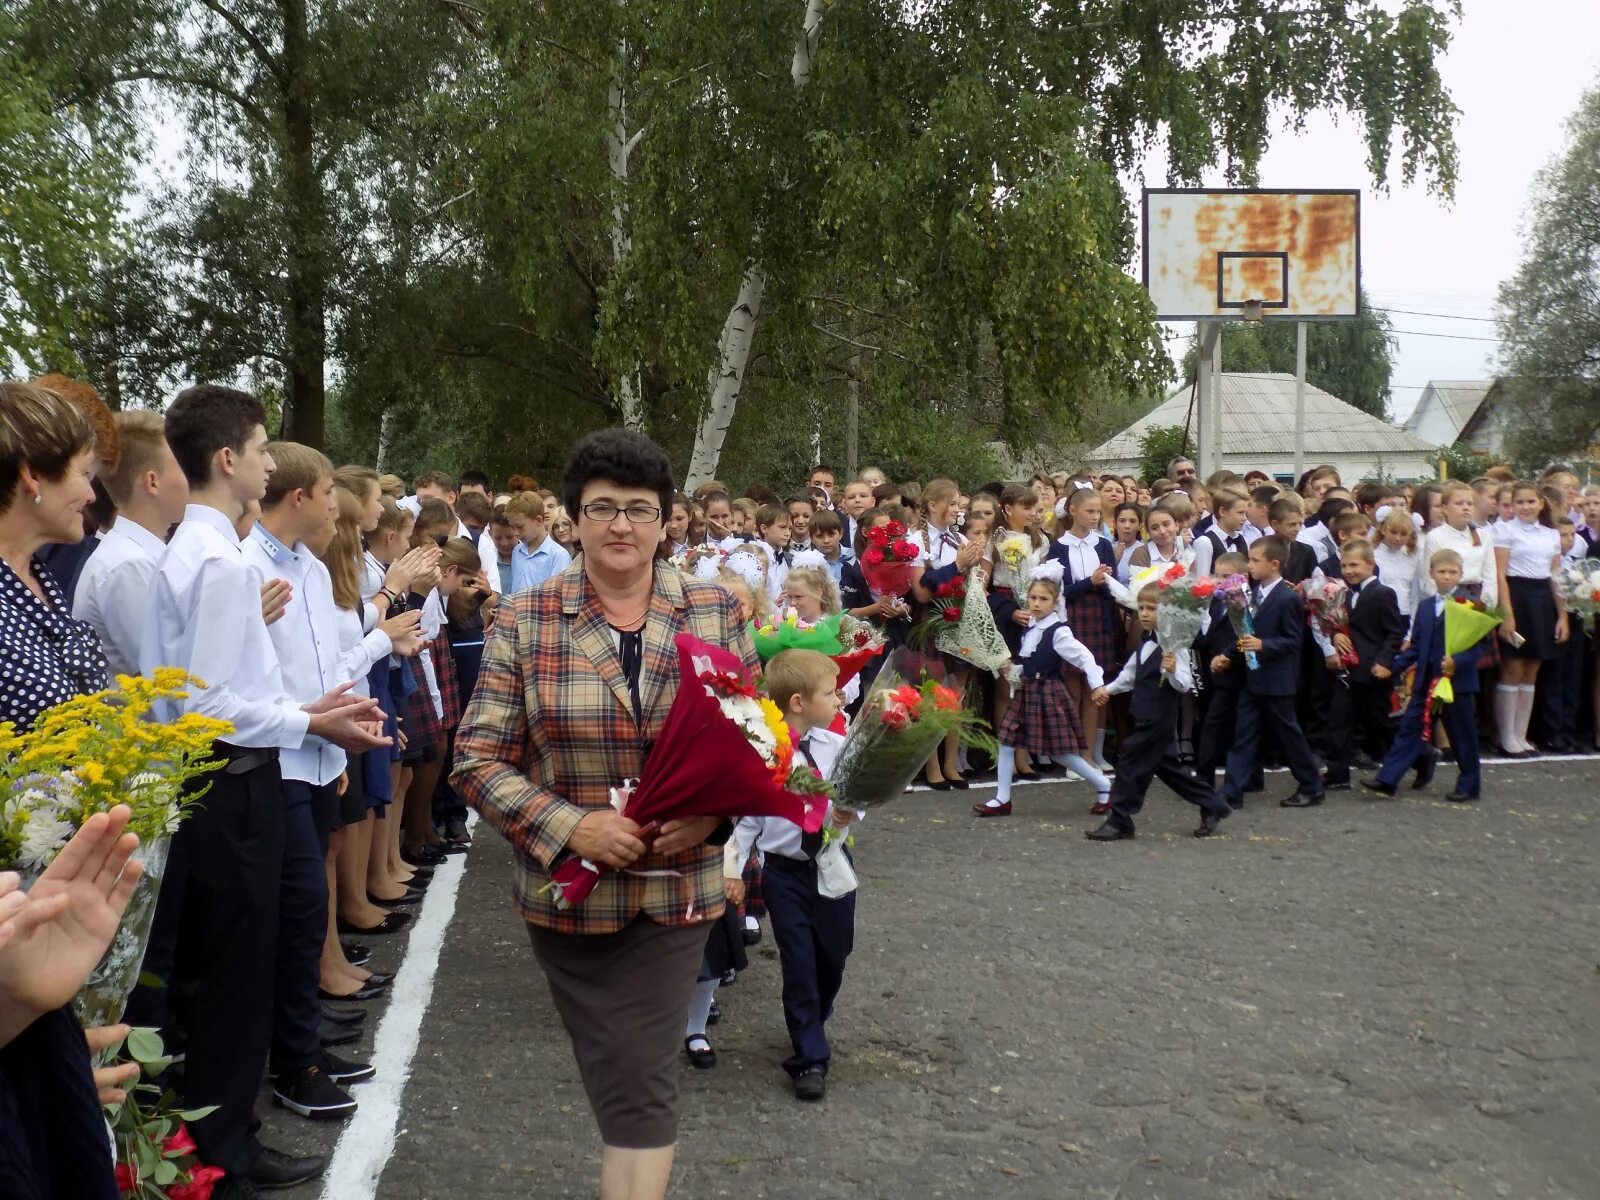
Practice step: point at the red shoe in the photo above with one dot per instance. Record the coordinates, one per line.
(993, 810)
(1101, 809)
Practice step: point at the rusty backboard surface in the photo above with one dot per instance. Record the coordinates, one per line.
(1208, 251)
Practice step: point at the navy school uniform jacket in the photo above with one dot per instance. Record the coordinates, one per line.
(1280, 623)
(854, 593)
(1302, 563)
(1073, 588)
(1377, 629)
(1426, 651)
(1221, 638)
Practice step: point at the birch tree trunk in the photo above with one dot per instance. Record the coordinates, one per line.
(726, 378)
(620, 146)
(385, 441)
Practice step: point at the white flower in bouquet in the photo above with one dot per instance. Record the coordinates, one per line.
(42, 839)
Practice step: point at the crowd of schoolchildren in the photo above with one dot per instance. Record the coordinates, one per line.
(339, 616)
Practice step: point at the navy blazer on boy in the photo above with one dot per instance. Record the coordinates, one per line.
(1280, 623)
(1301, 564)
(1426, 652)
(1221, 638)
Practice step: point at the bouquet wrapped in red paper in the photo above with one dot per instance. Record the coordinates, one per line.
(889, 561)
(723, 751)
(860, 643)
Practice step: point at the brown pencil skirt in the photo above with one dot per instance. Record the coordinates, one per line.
(624, 998)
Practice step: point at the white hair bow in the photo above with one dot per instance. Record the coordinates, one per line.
(807, 558)
(707, 566)
(747, 567)
(1051, 569)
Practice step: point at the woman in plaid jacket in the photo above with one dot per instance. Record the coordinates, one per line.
(578, 675)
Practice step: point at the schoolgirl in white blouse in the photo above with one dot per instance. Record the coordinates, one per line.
(1536, 625)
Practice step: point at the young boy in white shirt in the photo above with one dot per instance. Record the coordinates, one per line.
(814, 933)
(537, 556)
(150, 493)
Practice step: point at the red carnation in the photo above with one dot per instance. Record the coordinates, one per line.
(872, 556)
(1204, 587)
(947, 588)
(895, 717)
(897, 529)
(878, 535)
(905, 549)
(952, 614)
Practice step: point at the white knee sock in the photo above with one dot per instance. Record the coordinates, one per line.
(1005, 768)
(1099, 749)
(1525, 695)
(700, 1007)
(1102, 785)
(1505, 717)
(752, 922)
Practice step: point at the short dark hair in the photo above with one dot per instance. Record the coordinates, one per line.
(1264, 495)
(475, 478)
(801, 498)
(620, 456)
(826, 521)
(433, 478)
(474, 509)
(206, 418)
(1331, 508)
(1273, 548)
(39, 430)
(712, 497)
(761, 494)
(883, 491)
(823, 467)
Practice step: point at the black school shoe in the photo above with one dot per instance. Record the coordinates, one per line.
(700, 1060)
(810, 1085)
(274, 1169)
(311, 1093)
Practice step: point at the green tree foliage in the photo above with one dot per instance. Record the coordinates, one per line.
(1459, 461)
(1159, 446)
(1549, 314)
(1353, 360)
(62, 180)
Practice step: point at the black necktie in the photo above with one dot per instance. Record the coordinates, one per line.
(810, 843)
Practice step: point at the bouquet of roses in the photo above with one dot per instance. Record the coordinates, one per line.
(898, 727)
(860, 642)
(1235, 593)
(1579, 585)
(1328, 602)
(723, 751)
(889, 561)
(1181, 606)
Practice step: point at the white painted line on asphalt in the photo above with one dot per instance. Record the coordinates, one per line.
(978, 785)
(367, 1142)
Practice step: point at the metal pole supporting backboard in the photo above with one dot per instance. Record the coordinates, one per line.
(1210, 333)
(1216, 401)
(1299, 399)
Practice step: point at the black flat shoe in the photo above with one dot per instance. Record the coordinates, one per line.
(427, 856)
(1109, 832)
(942, 786)
(343, 1016)
(1300, 800)
(355, 953)
(1427, 764)
(337, 1035)
(380, 979)
(701, 1060)
(274, 1169)
(960, 785)
(1460, 798)
(364, 992)
(412, 896)
(1209, 822)
(752, 937)
(810, 1085)
(393, 923)
(1377, 789)
(1026, 776)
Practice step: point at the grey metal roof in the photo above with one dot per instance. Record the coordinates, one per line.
(1461, 399)
(1258, 418)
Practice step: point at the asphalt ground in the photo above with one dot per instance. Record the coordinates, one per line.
(1366, 1000)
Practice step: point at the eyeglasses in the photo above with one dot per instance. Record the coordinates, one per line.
(606, 512)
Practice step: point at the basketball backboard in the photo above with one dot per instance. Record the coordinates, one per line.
(1207, 252)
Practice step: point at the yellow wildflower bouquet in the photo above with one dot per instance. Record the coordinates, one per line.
(87, 755)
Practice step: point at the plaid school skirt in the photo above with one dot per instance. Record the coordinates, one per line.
(755, 905)
(1041, 719)
(426, 728)
(1093, 623)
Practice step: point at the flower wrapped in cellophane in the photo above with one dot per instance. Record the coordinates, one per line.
(859, 643)
(898, 727)
(889, 560)
(85, 756)
(1241, 607)
(723, 751)
(1579, 585)
(1182, 602)
(791, 633)
(1328, 604)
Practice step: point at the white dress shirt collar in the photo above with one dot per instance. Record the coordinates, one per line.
(213, 518)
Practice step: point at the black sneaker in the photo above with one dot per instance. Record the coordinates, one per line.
(810, 1085)
(311, 1093)
(274, 1169)
(344, 1071)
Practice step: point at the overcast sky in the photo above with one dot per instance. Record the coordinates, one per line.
(1517, 69)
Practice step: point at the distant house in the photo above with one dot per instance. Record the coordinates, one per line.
(1258, 432)
(1459, 410)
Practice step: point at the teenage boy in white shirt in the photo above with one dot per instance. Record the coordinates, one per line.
(225, 865)
(150, 493)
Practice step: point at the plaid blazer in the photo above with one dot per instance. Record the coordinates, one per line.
(550, 730)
